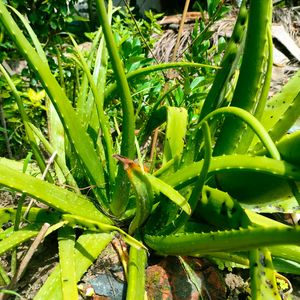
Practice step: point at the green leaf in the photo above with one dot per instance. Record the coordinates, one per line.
(87, 248)
(66, 243)
(54, 196)
(35, 215)
(263, 280)
(143, 191)
(77, 221)
(136, 274)
(171, 193)
(175, 133)
(18, 237)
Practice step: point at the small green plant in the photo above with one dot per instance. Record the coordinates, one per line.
(46, 17)
(198, 199)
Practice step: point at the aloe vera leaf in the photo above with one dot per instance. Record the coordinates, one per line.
(55, 128)
(215, 97)
(32, 35)
(263, 280)
(54, 124)
(143, 191)
(290, 252)
(77, 221)
(248, 135)
(15, 238)
(252, 122)
(136, 274)
(10, 239)
(260, 192)
(230, 240)
(127, 147)
(281, 111)
(198, 187)
(228, 64)
(288, 147)
(56, 197)
(87, 249)
(175, 133)
(84, 101)
(120, 193)
(32, 142)
(195, 195)
(104, 123)
(224, 212)
(73, 128)
(219, 209)
(57, 138)
(287, 119)
(170, 193)
(229, 163)
(66, 247)
(260, 182)
(286, 266)
(60, 161)
(35, 215)
(240, 260)
(245, 94)
(112, 88)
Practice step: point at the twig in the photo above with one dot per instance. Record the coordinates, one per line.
(153, 146)
(39, 238)
(121, 250)
(185, 10)
(49, 163)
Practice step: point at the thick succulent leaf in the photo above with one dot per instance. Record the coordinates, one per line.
(282, 111)
(175, 133)
(136, 274)
(143, 191)
(229, 240)
(289, 147)
(260, 191)
(16, 238)
(18, 165)
(170, 192)
(273, 199)
(219, 209)
(87, 248)
(66, 244)
(32, 35)
(76, 133)
(92, 225)
(263, 280)
(230, 163)
(54, 196)
(35, 215)
(246, 93)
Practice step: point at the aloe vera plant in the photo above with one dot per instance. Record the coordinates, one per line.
(238, 144)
